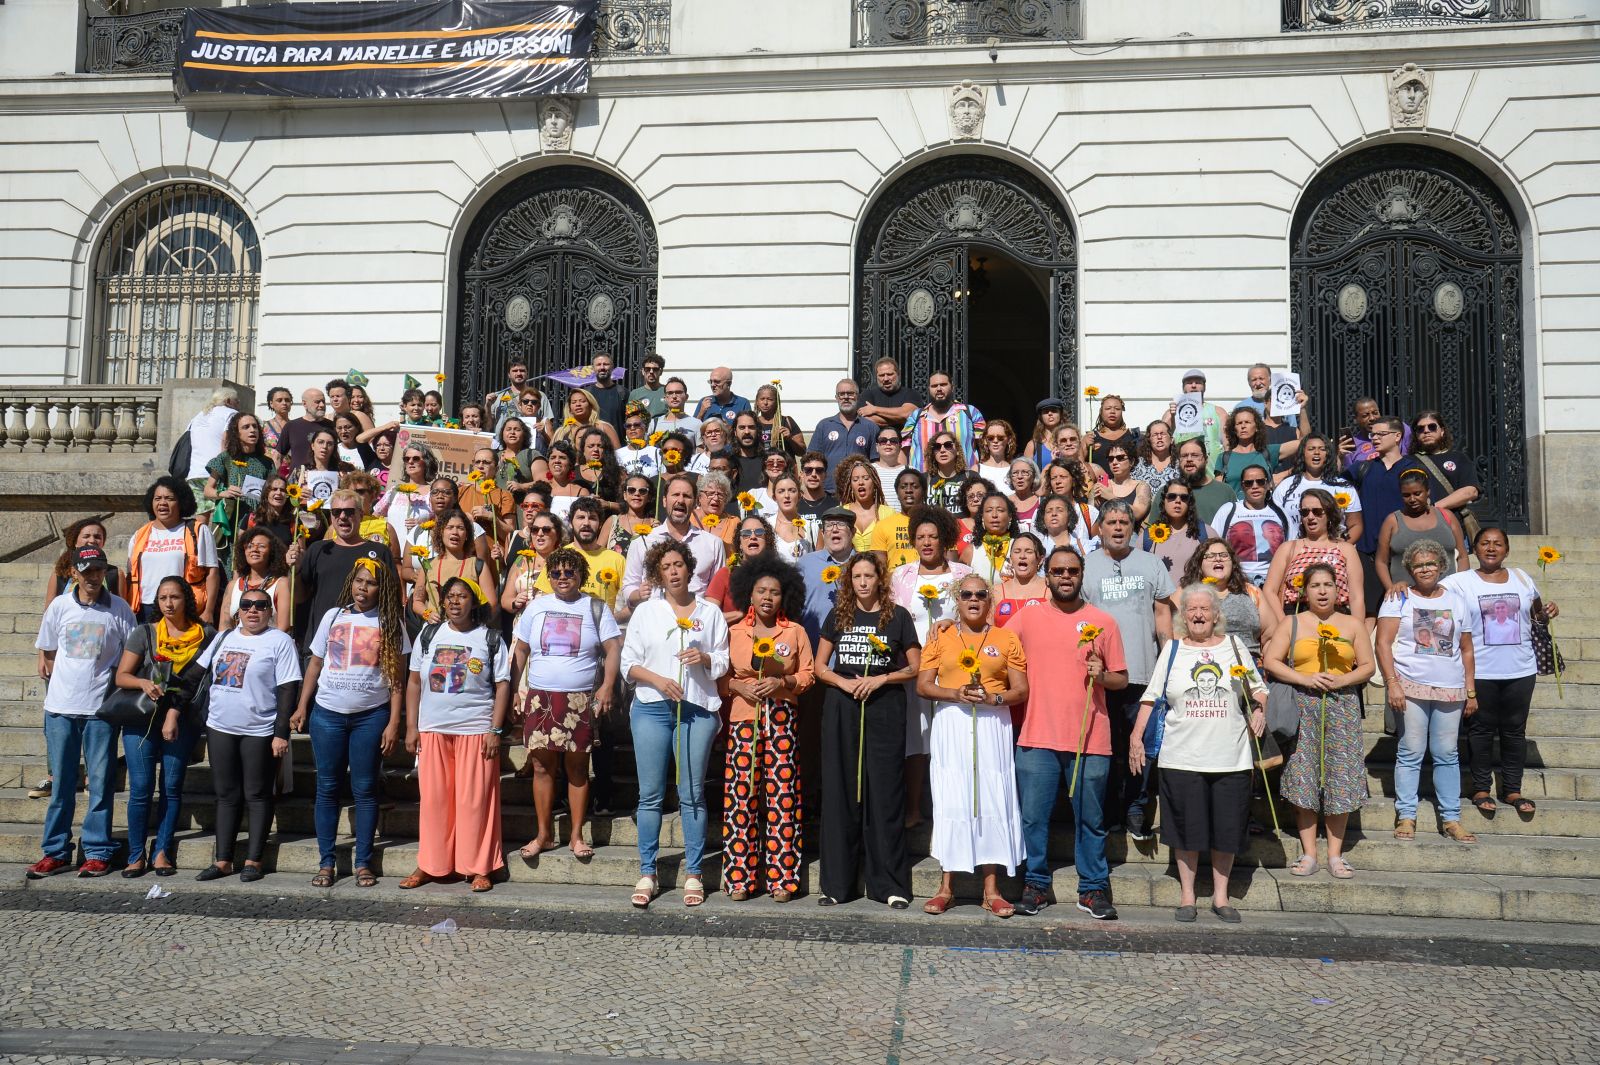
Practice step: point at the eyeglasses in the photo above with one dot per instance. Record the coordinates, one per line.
(944, 445)
(254, 604)
(1059, 572)
(1430, 427)
(1384, 432)
(1217, 556)
(1425, 565)
(562, 573)
(636, 490)
(343, 512)
(753, 534)
(972, 594)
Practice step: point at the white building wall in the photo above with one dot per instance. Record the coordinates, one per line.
(1180, 164)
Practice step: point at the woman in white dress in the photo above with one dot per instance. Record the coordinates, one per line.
(973, 672)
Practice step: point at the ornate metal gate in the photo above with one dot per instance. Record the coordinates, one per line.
(1405, 270)
(558, 267)
(912, 260)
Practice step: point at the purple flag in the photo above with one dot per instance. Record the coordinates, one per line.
(582, 376)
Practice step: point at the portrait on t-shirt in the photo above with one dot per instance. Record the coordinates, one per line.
(448, 674)
(352, 646)
(82, 639)
(1434, 632)
(560, 635)
(230, 669)
(1502, 619)
(1207, 699)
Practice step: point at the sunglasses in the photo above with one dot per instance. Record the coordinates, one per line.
(254, 604)
(971, 595)
(1118, 458)
(543, 530)
(637, 491)
(343, 512)
(888, 439)
(944, 445)
(562, 573)
(413, 458)
(1058, 572)
(527, 402)
(753, 534)
(1177, 495)
(817, 470)
(1317, 512)
(1431, 427)
(1253, 481)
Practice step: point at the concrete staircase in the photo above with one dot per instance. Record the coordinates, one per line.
(1543, 869)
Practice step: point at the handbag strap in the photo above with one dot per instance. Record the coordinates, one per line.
(1172, 657)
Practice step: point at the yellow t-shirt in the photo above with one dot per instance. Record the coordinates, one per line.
(603, 561)
(891, 534)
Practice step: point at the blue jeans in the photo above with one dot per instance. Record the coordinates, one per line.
(658, 750)
(146, 754)
(66, 740)
(1040, 773)
(1430, 725)
(341, 742)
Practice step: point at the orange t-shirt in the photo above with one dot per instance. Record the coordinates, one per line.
(1057, 675)
(997, 650)
(793, 663)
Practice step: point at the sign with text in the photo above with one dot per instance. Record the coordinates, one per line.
(362, 51)
(453, 447)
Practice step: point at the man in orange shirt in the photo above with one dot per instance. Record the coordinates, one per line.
(1070, 647)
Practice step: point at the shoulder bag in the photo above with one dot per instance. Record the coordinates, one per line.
(1283, 719)
(1469, 521)
(1547, 657)
(1155, 729)
(1268, 756)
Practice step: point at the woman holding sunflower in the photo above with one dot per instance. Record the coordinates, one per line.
(1173, 531)
(989, 553)
(925, 589)
(973, 671)
(1322, 541)
(580, 413)
(770, 665)
(637, 517)
(1325, 654)
(234, 480)
(867, 650)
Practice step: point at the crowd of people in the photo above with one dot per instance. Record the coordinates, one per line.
(912, 611)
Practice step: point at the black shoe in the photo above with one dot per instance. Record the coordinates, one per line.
(1033, 900)
(1097, 905)
(1137, 829)
(213, 872)
(898, 902)
(130, 873)
(166, 870)
(826, 900)
(250, 874)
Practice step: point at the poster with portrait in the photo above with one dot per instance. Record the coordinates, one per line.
(321, 484)
(1502, 619)
(1186, 415)
(1285, 387)
(453, 447)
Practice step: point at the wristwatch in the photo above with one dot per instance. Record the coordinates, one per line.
(501, 731)
(999, 700)
(1471, 694)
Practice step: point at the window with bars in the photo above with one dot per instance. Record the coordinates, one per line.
(177, 280)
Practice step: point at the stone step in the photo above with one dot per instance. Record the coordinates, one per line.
(19, 665)
(1554, 817)
(1585, 723)
(1537, 784)
(1565, 752)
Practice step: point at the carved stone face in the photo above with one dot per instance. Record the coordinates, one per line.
(967, 115)
(1410, 96)
(555, 121)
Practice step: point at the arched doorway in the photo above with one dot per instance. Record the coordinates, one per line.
(967, 265)
(558, 267)
(1406, 280)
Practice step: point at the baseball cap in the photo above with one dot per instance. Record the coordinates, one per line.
(87, 558)
(1192, 374)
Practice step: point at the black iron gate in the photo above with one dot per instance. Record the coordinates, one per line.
(912, 266)
(1406, 278)
(558, 267)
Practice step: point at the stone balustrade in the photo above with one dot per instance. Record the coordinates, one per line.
(82, 419)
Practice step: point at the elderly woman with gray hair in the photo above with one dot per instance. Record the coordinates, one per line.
(1213, 700)
(1424, 646)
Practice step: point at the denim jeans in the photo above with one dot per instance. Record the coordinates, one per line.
(658, 749)
(347, 743)
(1040, 773)
(146, 753)
(1430, 725)
(67, 739)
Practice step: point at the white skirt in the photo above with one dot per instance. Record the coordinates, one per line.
(919, 716)
(962, 841)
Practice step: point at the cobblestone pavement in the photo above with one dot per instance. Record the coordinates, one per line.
(102, 976)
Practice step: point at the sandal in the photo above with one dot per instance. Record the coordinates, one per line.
(782, 896)
(366, 877)
(737, 894)
(938, 904)
(1453, 830)
(1522, 805)
(1405, 828)
(999, 906)
(1484, 803)
(694, 891)
(581, 850)
(644, 891)
(1340, 869)
(481, 882)
(324, 878)
(415, 880)
(532, 849)
(1304, 865)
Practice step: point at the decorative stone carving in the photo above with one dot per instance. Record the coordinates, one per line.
(966, 216)
(1398, 207)
(1449, 301)
(919, 307)
(519, 312)
(602, 312)
(1352, 302)
(562, 225)
(1409, 90)
(968, 104)
(557, 115)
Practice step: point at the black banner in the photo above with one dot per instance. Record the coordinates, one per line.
(363, 51)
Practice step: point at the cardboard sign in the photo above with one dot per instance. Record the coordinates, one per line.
(1186, 418)
(250, 488)
(454, 448)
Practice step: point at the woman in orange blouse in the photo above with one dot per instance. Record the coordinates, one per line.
(769, 666)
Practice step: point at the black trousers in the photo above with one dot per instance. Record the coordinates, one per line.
(244, 773)
(1125, 792)
(1503, 715)
(873, 828)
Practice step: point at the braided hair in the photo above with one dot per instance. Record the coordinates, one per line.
(391, 617)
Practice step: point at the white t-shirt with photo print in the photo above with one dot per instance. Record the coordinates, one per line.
(457, 684)
(349, 643)
(247, 673)
(88, 643)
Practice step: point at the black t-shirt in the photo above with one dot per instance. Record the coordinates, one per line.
(946, 495)
(295, 440)
(809, 507)
(747, 472)
(877, 397)
(1458, 470)
(853, 652)
(322, 571)
(610, 402)
(1280, 435)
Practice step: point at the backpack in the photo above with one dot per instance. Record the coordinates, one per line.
(182, 455)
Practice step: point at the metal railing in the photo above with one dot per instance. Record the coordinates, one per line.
(1344, 14)
(891, 23)
(85, 419)
(148, 43)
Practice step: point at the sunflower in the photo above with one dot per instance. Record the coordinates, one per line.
(1341, 500)
(776, 383)
(527, 553)
(1297, 581)
(711, 521)
(315, 504)
(1160, 532)
(475, 476)
(293, 492)
(635, 442)
(968, 660)
(1548, 555)
(430, 523)
(1327, 632)
(594, 464)
(1088, 634)
(607, 576)
(686, 624)
(569, 423)
(798, 523)
(419, 551)
(657, 436)
(240, 463)
(487, 485)
(830, 574)
(993, 541)
(671, 456)
(438, 378)
(764, 647)
(405, 486)
(1091, 392)
(877, 642)
(1239, 672)
(641, 528)
(746, 501)
(1208, 580)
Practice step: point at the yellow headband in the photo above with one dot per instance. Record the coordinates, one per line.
(370, 565)
(477, 591)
